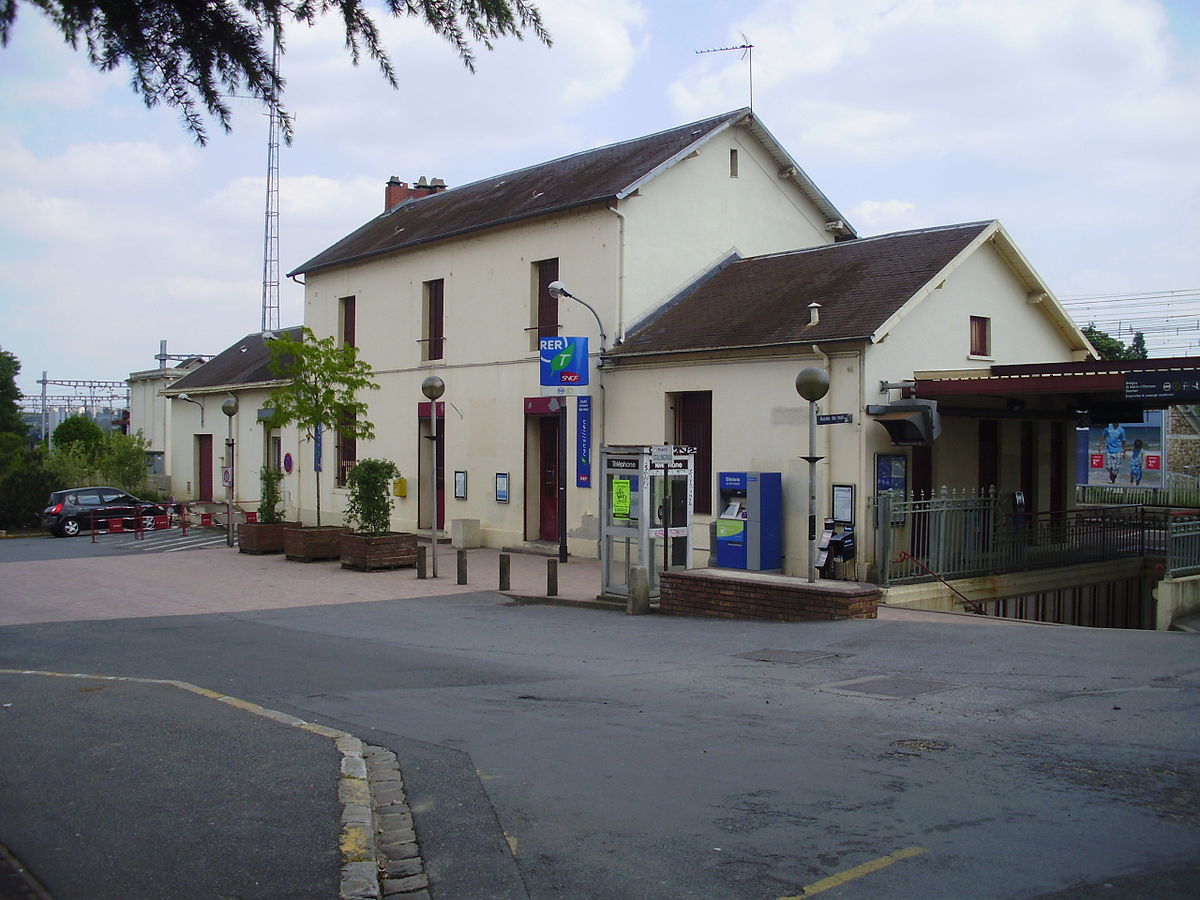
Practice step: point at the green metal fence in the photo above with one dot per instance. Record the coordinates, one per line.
(1183, 543)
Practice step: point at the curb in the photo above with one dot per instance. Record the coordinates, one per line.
(380, 854)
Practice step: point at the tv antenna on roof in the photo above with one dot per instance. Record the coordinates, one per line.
(748, 54)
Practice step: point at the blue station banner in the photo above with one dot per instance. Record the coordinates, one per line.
(583, 442)
(564, 365)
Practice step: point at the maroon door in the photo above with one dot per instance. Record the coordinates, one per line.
(548, 467)
(440, 462)
(204, 463)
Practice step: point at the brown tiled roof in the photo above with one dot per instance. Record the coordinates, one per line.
(764, 300)
(593, 176)
(246, 362)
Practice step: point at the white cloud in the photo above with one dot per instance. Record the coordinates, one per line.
(1073, 121)
(879, 216)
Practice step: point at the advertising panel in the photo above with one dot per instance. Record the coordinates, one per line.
(1126, 454)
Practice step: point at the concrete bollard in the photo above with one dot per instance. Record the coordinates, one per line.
(552, 578)
(462, 566)
(638, 603)
(421, 563)
(505, 572)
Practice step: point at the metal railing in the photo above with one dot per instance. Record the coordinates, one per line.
(964, 534)
(1178, 490)
(1183, 543)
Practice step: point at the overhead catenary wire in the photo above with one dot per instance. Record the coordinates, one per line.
(1169, 320)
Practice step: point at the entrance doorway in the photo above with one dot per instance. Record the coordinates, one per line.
(549, 474)
(432, 453)
(204, 467)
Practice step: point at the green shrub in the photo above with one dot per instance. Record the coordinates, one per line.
(24, 489)
(369, 510)
(268, 506)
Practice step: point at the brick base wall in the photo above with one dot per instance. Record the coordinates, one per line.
(727, 594)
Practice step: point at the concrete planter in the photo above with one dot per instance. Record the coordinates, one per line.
(373, 553)
(307, 543)
(260, 537)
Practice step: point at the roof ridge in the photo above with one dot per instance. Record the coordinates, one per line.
(858, 241)
(733, 114)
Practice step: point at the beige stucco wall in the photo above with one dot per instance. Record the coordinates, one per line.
(982, 285)
(1176, 598)
(682, 222)
(249, 448)
(149, 412)
(694, 215)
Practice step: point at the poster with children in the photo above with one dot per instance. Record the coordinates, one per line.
(1126, 454)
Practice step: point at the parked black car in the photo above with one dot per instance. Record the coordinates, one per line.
(72, 511)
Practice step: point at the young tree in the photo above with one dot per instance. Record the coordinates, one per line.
(193, 56)
(1108, 346)
(322, 379)
(1137, 347)
(10, 395)
(81, 430)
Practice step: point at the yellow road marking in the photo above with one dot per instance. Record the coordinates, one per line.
(866, 868)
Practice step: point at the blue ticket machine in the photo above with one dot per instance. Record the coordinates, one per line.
(750, 526)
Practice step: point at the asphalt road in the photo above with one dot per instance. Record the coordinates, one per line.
(554, 752)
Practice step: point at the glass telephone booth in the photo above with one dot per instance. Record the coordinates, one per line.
(646, 513)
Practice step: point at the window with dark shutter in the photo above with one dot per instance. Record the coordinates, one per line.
(347, 323)
(693, 428)
(545, 306)
(435, 319)
(981, 337)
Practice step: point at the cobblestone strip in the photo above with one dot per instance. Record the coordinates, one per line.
(402, 871)
(380, 856)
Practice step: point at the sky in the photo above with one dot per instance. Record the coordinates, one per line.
(1076, 123)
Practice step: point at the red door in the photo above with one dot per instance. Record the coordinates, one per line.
(548, 467)
(204, 467)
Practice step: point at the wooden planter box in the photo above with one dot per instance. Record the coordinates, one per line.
(376, 553)
(258, 537)
(311, 542)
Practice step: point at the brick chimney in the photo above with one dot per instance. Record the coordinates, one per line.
(397, 191)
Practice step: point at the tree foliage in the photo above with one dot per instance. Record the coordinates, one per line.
(10, 395)
(25, 486)
(322, 380)
(81, 430)
(1110, 347)
(115, 459)
(192, 56)
(28, 478)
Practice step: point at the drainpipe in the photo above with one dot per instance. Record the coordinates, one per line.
(860, 498)
(620, 329)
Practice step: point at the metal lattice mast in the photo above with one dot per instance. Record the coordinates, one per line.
(270, 288)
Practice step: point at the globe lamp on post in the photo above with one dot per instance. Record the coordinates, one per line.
(433, 388)
(230, 408)
(812, 384)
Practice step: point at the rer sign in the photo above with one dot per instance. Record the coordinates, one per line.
(564, 365)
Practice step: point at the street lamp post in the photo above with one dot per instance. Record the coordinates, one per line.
(230, 408)
(812, 384)
(433, 388)
(558, 290)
